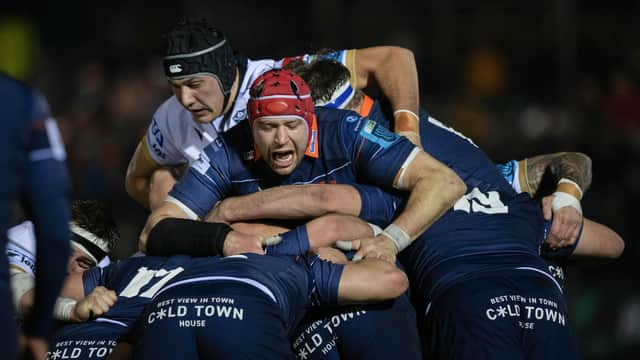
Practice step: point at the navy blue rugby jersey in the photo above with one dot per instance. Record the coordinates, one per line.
(350, 148)
(490, 228)
(292, 283)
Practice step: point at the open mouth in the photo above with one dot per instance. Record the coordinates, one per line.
(282, 158)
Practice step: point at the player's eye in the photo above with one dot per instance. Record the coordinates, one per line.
(293, 124)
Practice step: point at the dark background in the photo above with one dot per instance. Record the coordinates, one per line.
(519, 77)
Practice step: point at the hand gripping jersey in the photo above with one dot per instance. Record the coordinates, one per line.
(174, 138)
(557, 259)
(135, 280)
(349, 148)
(32, 164)
(489, 228)
(476, 275)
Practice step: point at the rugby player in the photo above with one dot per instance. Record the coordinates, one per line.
(33, 165)
(138, 280)
(292, 147)
(93, 235)
(211, 84)
(487, 242)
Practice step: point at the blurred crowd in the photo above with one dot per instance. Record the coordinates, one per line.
(520, 80)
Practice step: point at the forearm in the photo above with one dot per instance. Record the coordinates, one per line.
(569, 165)
(431, 196)
(138, 188)
(139, 171)
(394, 70)
(371, 280)
(289, 202)
(326, 230)
(166, 211)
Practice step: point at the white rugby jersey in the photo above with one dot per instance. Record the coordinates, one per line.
(21, 248)
(174, 138)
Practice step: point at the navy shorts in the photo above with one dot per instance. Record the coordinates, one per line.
(212, 320)
(315, 339)
(92, 340)
(378, 331)
(515, 314)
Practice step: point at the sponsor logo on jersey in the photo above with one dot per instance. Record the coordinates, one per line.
(352, 118)
(507, 170)
(156, 140)
(175, 68)
(378, 134)
(239, 115)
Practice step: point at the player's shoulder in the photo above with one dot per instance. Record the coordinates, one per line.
(23, 235)
(255, 68)
(21, 96)
(171, 115)
(327, 116)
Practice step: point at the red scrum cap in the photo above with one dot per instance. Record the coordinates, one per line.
(282, 93)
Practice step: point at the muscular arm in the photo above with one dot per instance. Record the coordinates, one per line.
(167, 210)
(138, 178)
(322, 231)
(570, 165)
(394, 70)
(289, 202)
(433, 187)
(371, 280)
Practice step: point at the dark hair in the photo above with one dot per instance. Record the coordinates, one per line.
(96, 218)
(323, 76)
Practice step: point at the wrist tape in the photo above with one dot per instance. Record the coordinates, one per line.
(399, 237)
(63, 308)
(562, 199)
(569, 181)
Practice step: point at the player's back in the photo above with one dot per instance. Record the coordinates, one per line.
(286, 281)
(136, 281)
(489, 228)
